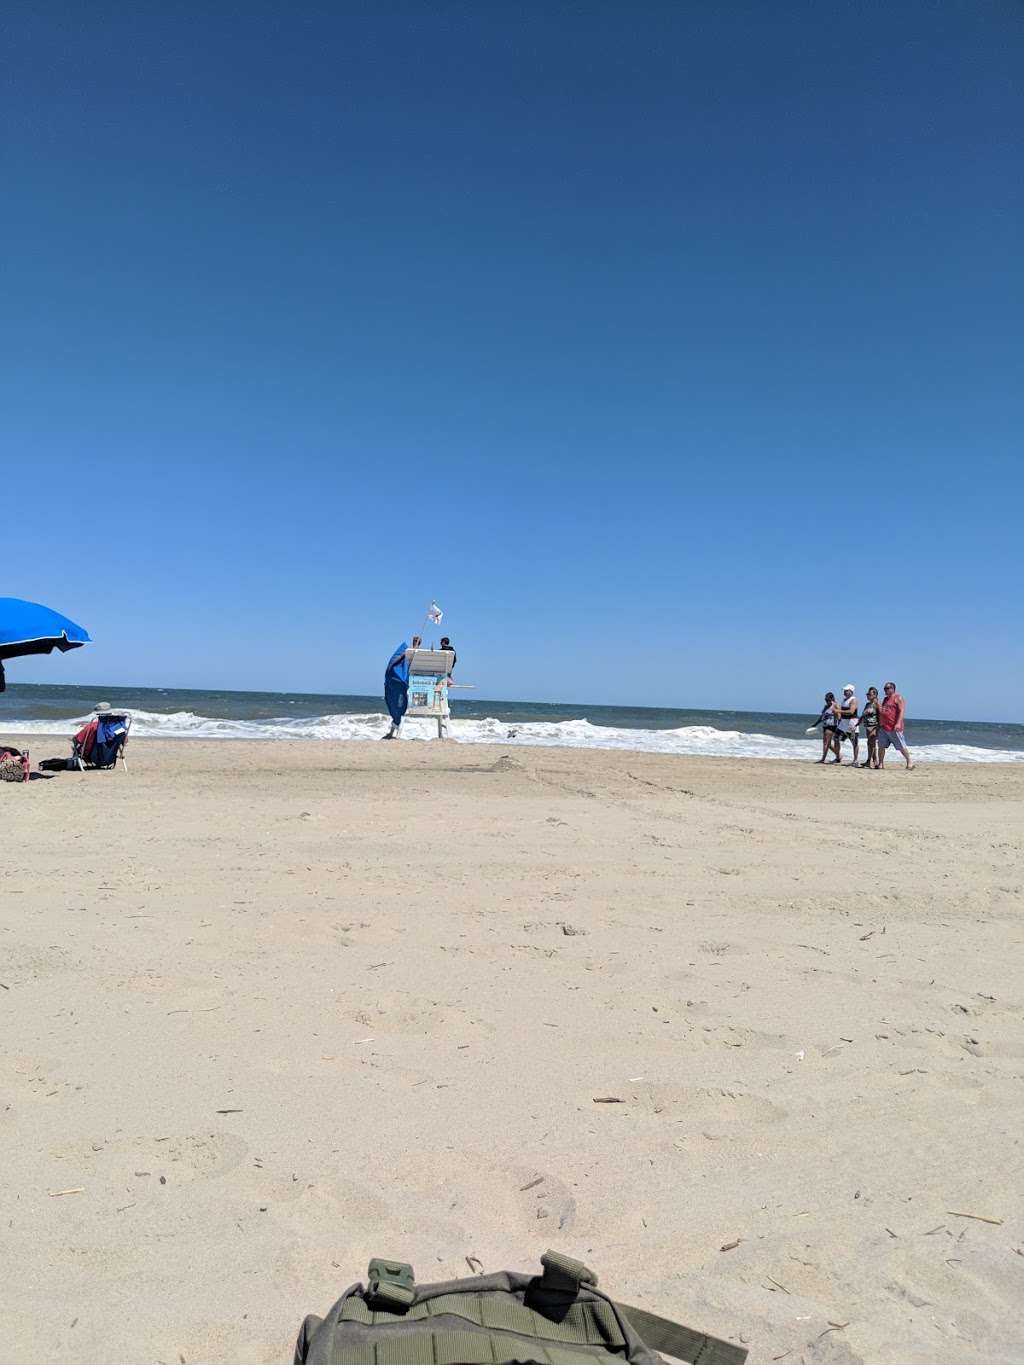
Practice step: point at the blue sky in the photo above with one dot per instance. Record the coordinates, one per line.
(694, 329)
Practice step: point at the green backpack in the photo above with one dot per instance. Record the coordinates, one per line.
(557, 1318)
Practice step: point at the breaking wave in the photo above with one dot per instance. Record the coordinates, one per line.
(578, 734)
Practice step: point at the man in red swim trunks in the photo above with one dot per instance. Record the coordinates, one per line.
(892, 713)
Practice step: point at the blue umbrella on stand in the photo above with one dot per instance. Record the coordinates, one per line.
(396, 687)
(28, 628)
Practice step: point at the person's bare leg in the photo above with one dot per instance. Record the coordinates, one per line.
(856, 748)
(836, 747)
(906, 755)
(824, 746)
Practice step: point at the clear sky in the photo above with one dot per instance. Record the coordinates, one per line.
(692, 328)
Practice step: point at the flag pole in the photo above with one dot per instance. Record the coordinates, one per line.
(426, 621)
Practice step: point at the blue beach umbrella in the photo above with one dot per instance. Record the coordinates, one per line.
(28, 628)
(396, 684)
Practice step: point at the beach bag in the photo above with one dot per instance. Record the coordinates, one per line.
(14, 765)
(557, 1318)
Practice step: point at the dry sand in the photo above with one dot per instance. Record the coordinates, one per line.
(274, 1008)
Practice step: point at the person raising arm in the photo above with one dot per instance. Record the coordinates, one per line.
(829, 722)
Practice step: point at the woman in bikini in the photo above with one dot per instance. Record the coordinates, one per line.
(870, 719)
(829, 722)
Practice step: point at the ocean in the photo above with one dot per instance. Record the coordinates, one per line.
(183, 714)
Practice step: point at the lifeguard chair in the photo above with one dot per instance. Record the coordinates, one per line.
(429, 670)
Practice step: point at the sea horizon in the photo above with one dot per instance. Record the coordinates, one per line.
(190, 713)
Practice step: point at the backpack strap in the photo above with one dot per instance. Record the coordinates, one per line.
(391, 1284)
(673, 1339)
(564, 1274)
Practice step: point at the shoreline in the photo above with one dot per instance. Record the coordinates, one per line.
(261, 716)
(35, 741)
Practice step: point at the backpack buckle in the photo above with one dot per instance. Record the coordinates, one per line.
(392, 1284)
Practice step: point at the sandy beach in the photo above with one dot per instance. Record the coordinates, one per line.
(270, 1009)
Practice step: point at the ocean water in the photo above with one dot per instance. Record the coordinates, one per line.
(172, 713)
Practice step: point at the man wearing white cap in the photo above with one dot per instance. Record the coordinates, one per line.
(848, 709)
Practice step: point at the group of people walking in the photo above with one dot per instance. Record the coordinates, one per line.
(882, 723)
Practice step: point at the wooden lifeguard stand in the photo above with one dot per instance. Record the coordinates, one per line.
(429, 670)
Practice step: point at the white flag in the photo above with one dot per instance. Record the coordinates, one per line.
(435, 614)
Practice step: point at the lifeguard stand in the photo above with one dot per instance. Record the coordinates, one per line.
(428, 685)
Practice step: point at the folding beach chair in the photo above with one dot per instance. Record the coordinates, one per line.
(101, 742)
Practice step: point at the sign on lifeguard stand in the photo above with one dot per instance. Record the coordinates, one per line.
(428, 685)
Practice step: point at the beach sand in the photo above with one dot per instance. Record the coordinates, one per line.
(270, 1009)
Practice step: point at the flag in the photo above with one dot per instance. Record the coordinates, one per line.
(434, 614)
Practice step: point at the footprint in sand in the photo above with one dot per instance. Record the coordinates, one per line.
(421, 1018)
(709, 1104)
(534, 1201)
(325, 1209)
(179, 1160)
(754, 1037)
(956, 1080)
(544, 1200)
(201, 1156)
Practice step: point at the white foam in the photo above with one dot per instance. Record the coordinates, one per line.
(577, 734)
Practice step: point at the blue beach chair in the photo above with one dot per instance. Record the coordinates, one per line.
(102, 742)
